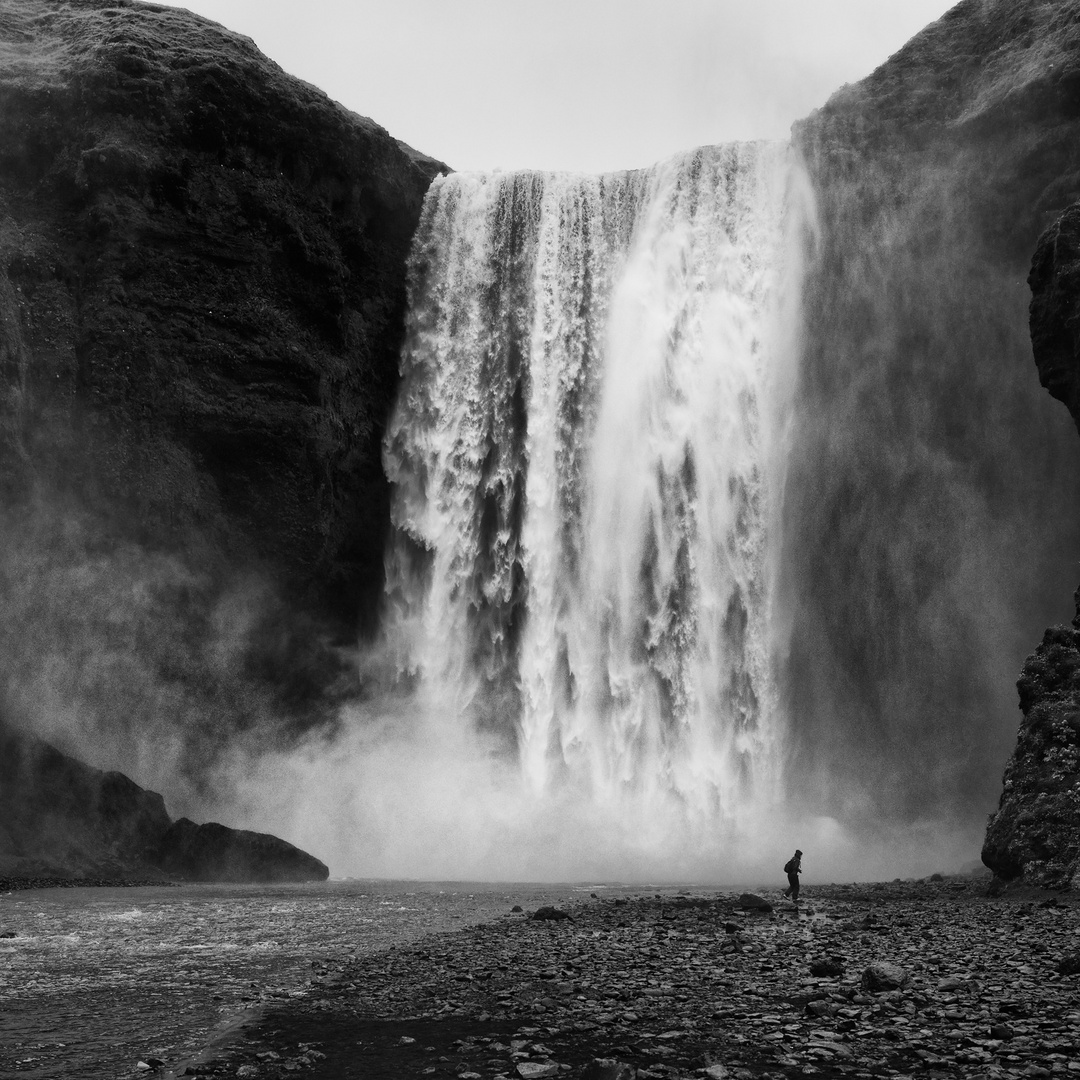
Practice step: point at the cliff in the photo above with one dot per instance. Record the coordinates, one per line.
(61, 818)
(202, 282)
(1034, 834)
(928, 538)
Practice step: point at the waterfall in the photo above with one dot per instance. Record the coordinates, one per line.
(585, 459)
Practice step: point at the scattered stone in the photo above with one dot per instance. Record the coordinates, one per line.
(655, 989)
(7, 934)
(827, 969)
(516, 908)
(247, 1072)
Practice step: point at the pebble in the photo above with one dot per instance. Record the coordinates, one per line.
(961, 984)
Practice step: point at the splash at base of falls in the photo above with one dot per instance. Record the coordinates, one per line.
(586, 458)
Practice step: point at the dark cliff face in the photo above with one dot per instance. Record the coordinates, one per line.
(202, 282)
(61, 818)
(927, 537)
(1035, 832)
(1055, 309)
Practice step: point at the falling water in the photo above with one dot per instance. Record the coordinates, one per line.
(584, 459)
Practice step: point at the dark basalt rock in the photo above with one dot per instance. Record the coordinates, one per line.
(1054, 313)
(202, 267)
(212, 852)
(60, 818)
(202, 288)
(1035, 833)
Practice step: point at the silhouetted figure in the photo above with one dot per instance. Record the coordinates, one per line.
(793, 868)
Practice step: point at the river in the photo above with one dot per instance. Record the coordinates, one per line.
(96, 980)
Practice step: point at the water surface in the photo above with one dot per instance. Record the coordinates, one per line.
(98, 978)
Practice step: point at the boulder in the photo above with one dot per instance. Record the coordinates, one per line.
(550, 914)
(884, 975)
(754, 902)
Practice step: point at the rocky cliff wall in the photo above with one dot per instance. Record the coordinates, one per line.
(61, 818)
(929, 529)
(1034, 835)
(202, 280)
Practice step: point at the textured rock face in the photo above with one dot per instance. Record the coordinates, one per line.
(202, 271)
(212, 852)
(1055, 309)
(201, 281)
(62, 818)
(927, 542)
(1035, 832)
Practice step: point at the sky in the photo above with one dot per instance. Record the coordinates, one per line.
(579, 85)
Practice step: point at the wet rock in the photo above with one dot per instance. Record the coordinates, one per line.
(549, 913)
(1069, 965)
(754, 902)
(883, 975)
(608, 1069)
(1001, 1031)
(534, 1070)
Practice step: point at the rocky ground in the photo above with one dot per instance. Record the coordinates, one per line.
(927, 978)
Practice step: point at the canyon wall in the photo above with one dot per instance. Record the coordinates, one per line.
(1034, 835)
(202, 283)
(931, 526)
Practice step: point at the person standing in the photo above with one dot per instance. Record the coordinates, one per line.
(793, 868)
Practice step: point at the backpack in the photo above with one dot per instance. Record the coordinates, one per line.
(789, 866)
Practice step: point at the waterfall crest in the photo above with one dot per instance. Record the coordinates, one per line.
(583, 467)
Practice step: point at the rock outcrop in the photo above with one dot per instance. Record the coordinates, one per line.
(214, 852)
(62, 818)
(1035, 833)
(1054, 313)
(927, 541)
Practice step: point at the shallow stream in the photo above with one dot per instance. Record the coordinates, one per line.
(97, 979)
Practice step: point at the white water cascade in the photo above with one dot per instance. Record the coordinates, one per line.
(586, 458)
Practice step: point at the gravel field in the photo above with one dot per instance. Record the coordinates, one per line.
(931, 978)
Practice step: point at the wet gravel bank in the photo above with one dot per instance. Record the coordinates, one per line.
(19, 884)
(677, 986)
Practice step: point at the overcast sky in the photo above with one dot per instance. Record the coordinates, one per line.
(589, 85)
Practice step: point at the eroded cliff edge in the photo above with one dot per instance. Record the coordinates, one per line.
(60, 818)
(202, 285)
